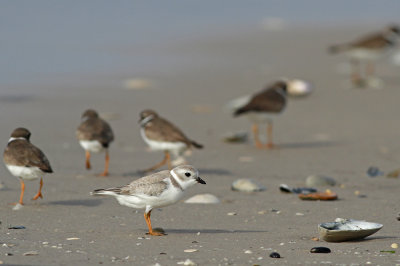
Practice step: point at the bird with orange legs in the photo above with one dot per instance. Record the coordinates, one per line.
(155, 191)
(95, 135)
(25, 161)
(264, 107)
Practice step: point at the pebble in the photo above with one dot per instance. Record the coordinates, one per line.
(275, 255)
(247, 185)
(187, 262)
(374, 171)
(203, 199)
(248, 252)
(17, 227)
(17, 207)
(320, 180)
(31, 253)
(191, 250)
(394, 245)
(320, 250)
(235, 137)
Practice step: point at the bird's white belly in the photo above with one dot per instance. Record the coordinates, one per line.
(91, 145)
(142, 201)
(26, 173)
(367, 54)
(162, 145)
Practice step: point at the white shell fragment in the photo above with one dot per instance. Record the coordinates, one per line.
(247, 185)
(299, 88)
(347, 229)
(203, 199)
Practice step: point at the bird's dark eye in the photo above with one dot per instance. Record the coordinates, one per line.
(187, 174)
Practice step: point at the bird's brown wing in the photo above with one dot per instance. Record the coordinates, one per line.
(270, 101)
(374, 41)
(163, 130)
(23, 153)
(95, 129)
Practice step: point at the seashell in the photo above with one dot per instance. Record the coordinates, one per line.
(299, 88)
(203, 199)
(320, 250)
(347, 229)
(327, 195)
(246, 185)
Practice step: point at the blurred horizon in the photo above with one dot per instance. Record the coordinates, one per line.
(71, 42)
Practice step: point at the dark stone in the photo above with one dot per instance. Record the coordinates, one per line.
(320, 250)
(275, 255)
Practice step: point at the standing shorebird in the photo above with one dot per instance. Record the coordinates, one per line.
(370, 49)
(264, 107)
(25, 161)
(160, 134)
(95, 135)
(155, 191)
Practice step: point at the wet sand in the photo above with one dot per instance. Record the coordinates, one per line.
(337, 131)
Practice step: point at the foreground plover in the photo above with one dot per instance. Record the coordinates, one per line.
(155, 191)
(95, 135)
(160, 134)
(369, 48)
(264, 107)
(25, 161)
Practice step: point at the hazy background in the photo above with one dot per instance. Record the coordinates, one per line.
(54, 45)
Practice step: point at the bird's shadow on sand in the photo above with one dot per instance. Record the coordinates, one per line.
(79, 202)
(211, 231)
(308, 144)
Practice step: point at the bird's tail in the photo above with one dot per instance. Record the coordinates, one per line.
(107, 191)
(197, 145)
(239, 112)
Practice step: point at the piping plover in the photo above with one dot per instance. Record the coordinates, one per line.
(369, 48)
(155, 191)
(25, 161)
(160, 134)
(264, 107)
(95, 135)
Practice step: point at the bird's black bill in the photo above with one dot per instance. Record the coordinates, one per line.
(201, 181)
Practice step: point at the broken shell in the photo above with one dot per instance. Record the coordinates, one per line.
(275, 255)
(327, 195)
(347, 229)
(299, 190)
(299, 88)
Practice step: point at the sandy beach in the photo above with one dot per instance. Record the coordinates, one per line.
(337, 131)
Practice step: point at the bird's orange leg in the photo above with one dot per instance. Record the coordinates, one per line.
(105, 173)
(88, 166)
(39, 194)
(148, 222)
(166, 160)
(270, 143)
(21, 198)
(259, 145)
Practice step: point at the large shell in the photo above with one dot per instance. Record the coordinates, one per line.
(299, 88)
(347, 229)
